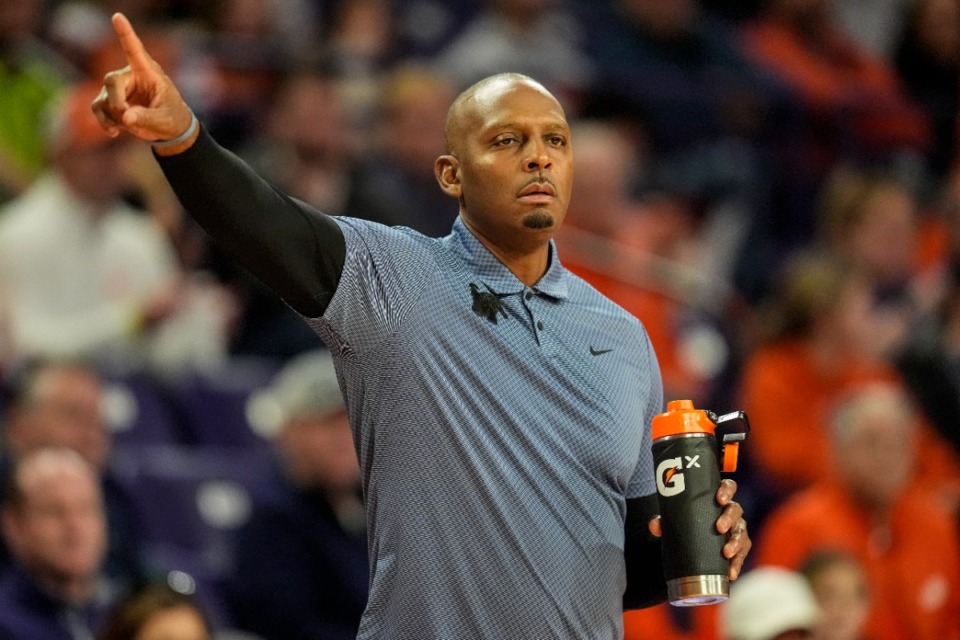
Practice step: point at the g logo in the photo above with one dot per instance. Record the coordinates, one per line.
(669, 477)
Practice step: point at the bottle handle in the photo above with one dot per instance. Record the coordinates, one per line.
(732, 429)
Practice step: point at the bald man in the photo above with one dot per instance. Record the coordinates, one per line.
(500, 407)
(54, 521)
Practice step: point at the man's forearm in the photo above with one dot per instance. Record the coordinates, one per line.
(295, 250)
(646, 584)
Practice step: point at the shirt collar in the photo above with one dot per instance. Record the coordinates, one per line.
(496, 276)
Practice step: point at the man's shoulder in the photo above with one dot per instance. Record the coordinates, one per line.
(371, 231)
(583, 292)
(393, 249)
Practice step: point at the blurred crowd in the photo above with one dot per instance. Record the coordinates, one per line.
(771, 186)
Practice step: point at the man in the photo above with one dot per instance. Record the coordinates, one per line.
(393, 182)
(500, 407)
(869, 508)
(85, 274)
(59, 404)
(54, 522)
(301, 560)
(106, 267)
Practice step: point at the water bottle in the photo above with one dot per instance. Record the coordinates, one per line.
(688, 462)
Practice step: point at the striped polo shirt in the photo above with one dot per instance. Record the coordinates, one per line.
(499, 428)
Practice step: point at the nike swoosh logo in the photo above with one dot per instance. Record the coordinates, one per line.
(599, 352)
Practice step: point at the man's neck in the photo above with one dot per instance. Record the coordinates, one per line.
(528, 264)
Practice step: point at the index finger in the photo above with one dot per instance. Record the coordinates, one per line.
(130, 42)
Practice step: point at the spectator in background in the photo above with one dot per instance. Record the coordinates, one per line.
(31, 76)
(853, 99)
(929, 359)
(540, 38)
(871, 222)
(361, 39)
(643, 252)
(842, 590)
(157, 612)
(306, 147)
(247, 45)
(53, 521)
(769, 603)
(873, 507)
(875, 25)
(301, 561)
(85, 274)
(713, 119)
(845, 105)
(927, 59)
(698, 96)
(60, 405)
(394, 182)
(809, 354)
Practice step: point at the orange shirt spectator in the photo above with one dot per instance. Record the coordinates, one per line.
(913, 563)
(786, 396)
(834, 77)
(873, 508)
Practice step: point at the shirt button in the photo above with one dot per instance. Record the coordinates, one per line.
(540, 325)
(529, 294)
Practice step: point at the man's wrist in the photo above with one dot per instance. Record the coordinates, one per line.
(182, 142)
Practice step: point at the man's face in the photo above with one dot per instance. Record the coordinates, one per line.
(59, 529)
(66, 412)
(97, 174)
(514, 165)
(877, 456)
(319, 452)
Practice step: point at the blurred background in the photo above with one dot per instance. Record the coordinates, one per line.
(771, 186)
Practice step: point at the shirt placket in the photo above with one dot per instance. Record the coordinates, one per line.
(537, 308)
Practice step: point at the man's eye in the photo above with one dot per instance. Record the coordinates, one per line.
(558, 141)
(505, 142)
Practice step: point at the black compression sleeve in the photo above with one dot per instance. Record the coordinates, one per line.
(646, 585)
(294, 249)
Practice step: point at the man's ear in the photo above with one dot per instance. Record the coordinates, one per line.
(447, 171)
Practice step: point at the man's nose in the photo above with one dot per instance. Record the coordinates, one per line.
(538, 158)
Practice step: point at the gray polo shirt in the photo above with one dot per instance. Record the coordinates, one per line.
(499, 428)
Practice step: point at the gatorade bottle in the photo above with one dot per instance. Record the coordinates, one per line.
(688, 463)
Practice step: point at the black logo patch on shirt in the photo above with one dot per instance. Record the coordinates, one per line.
(486, 304)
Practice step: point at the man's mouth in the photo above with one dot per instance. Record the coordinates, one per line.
(537, 192)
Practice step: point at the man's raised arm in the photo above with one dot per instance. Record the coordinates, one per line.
(294, 249)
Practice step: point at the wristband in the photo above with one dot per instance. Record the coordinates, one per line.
(194, 123)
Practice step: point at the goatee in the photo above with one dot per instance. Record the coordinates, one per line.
(538, 220)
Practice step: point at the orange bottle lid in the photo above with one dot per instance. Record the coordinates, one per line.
(681, 418)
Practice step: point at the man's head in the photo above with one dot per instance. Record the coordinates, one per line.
(303, 411)
(873, 437)
(92, 164)
(54, 521)
(158, 612)
(508, 161)
(842, 589)
(58, 404)
(412, 111)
